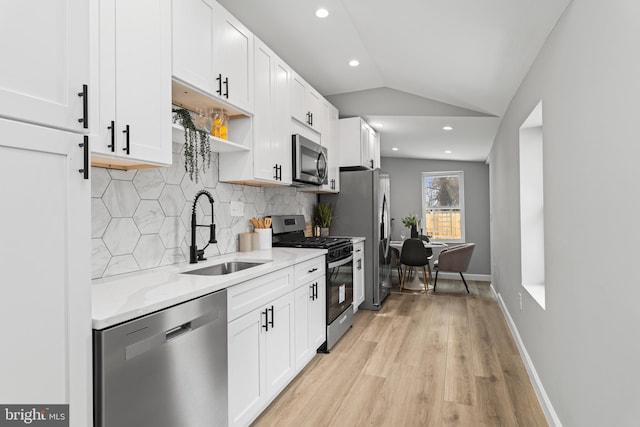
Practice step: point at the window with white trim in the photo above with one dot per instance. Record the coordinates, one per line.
(443, 206)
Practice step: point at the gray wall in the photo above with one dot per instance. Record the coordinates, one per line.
(406, 196)
(585, 345)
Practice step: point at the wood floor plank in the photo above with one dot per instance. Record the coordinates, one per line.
(523, 398)
(484, 361)
(459, 381)
(384, 354)
(492, 402)
(444, 359)
(498, 330)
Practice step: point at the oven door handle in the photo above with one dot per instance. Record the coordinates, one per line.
(341, 262)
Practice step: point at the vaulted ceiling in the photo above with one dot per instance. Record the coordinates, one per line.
(424, 64)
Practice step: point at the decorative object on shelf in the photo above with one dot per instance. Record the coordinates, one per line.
(411, 221)
(196, 140)
(220, 124)
(322, 215)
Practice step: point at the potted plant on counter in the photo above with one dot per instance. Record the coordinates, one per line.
(411, 221)
(322, 215)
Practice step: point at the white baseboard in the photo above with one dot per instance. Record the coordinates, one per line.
(547, 407)
(467, 276)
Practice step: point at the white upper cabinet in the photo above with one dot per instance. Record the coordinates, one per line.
(44, 62)
(306, 103)
(134, 69)
(269, 162)
(331, 139)
(213, 51)
(359, 144)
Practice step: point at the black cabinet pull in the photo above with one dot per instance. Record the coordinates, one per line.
(113, 136)
(271, 322)
(226, 87)
(279, 172)
(266, 320)
(85, 154)
(127, 133)
(275, 172)
(219, 80)
(311, 118)
(313, 294)
(315, 291)
(371, 161)
(333, 184)
(85, 107)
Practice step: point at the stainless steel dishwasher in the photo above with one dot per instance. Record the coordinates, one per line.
(166, 369)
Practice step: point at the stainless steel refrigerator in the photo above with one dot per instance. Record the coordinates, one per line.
(361, 209)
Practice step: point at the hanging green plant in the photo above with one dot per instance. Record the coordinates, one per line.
(196, 143)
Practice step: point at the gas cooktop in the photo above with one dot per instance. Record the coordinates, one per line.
(288, 231)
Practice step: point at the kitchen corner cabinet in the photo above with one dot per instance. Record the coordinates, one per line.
(134, 70)
(213, 51)
(358, 275)
(45, 67)
(46, 215)
(260, 343)
(306, 103)
(310, 310)
(269, 161)
(359, 144)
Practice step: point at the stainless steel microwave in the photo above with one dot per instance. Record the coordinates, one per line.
(309, 161)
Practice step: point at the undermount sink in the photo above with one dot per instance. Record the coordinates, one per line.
(224, 268)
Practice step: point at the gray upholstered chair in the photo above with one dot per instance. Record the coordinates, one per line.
(413, 254)
(455, 259)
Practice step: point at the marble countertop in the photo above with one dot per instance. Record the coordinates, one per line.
(121, 298)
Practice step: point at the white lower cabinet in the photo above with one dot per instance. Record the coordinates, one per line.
(260, 343)
(310, 323)
(276, 323)
(358, 275)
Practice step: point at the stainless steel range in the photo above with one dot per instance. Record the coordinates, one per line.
(288, 231)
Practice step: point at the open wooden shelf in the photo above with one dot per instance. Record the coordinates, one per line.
(217, 145)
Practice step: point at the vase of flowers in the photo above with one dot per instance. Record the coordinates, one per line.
(411, 221)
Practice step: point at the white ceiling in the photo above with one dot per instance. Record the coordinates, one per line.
(423, 63)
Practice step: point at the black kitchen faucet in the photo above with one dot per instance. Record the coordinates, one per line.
(196, 254)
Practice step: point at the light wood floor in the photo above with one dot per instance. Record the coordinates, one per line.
(445, 359)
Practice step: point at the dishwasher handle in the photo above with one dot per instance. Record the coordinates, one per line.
(154, 341)
(177, 331)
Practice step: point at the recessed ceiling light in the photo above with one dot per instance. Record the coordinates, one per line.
(448, 152)
(322, 13)
(377, 125)
(394, 149)
(447, 128)
(354, 62)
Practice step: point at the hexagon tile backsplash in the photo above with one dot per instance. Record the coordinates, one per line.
(141, 219)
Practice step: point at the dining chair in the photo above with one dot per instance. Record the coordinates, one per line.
(413, 254)
(455, 259)
(395, 261)
(429, 255)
